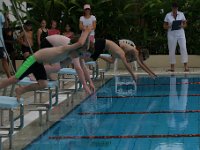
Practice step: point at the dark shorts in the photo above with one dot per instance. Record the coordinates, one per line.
(2, 53)
(31, 66)
(26, 49)
(45, 44)
(99, 46)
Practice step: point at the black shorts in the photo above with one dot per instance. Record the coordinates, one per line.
(26, 49)
(45, 44)
(2, 53)
(31, 66)
(99, 46)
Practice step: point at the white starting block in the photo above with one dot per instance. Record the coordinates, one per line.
(107, 63)
(95, 68)
(51, 87)
(134, 63)
(68, 71)
(124, 87)
(11, 103)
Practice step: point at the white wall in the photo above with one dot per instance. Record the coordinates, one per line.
(8, 3)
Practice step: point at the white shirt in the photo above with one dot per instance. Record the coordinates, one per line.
(169, 18)
(88, 22)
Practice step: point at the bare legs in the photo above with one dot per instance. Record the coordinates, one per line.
(186, 69)
(6, 82)
(26, 54)
(6, 67)
(172, 68)
(23, 89)
(32, 87)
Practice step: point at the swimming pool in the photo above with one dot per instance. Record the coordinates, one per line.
(160, 114)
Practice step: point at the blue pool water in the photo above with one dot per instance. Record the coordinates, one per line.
(160, 114)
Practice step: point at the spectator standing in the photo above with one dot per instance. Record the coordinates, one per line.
(9, 44)
(26, 39)
(9, 39)
(68, 33)
(53, 29)
(176, 35)
(42, 32)
(3, 55)
(88, 20)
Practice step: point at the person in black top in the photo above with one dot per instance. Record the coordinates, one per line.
(9, 44)
(3, 54)
(42, 32)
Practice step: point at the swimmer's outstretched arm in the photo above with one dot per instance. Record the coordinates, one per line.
(80, 43)
(138, 59)
(116, 50)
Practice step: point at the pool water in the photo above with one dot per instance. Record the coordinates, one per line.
(160, 114)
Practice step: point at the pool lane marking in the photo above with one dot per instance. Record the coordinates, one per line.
(143, 96)
(124, 136)
(179, 83)
(135, 113)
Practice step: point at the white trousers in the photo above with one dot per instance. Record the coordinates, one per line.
(172, 43)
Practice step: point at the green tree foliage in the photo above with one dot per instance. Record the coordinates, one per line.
(140, 21)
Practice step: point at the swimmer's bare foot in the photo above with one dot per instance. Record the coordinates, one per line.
(18, 92)
(31, 77)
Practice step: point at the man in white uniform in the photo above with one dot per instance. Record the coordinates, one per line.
(175, 35)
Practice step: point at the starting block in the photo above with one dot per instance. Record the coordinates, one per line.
(107, 63)
(52, 85)
(62, 78)
(10, 104)
(125, 87)
(40, 107)
(95, 68)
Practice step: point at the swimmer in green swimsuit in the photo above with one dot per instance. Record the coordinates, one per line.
(34, 64)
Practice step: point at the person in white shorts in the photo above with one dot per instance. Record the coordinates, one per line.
(88, 20)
